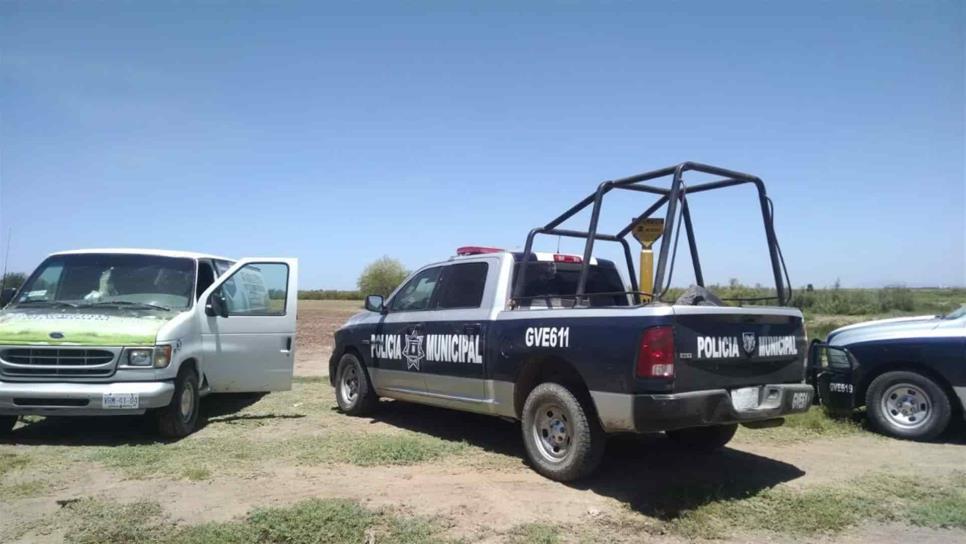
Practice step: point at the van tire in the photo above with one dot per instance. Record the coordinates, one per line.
(563, 439)
(704, 439)
(7, 424)
(887, 417)
(180, 417)
(353, 389)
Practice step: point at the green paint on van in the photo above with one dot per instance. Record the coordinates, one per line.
(81, 328)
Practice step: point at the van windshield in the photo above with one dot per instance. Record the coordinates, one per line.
(111, 280)
(555, 285)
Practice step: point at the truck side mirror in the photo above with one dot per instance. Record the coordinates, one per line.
(374, 303)
(6, 296)
(216, 305)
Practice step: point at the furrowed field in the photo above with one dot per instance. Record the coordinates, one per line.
(289, 468)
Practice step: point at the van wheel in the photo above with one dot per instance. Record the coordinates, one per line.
(907, 405)
(705, 439)
(563, 442)
(7, 423)
(353, 390)
(180, 418)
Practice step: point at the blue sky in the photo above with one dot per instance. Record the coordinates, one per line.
(338, 135)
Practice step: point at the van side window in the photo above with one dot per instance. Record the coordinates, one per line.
(462, 285)
(257, 289)
(417, 293)
(206, 276)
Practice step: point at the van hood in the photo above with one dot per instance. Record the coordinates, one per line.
(81, 326)
(883, 329)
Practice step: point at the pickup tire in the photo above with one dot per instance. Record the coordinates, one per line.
(563, 439)
(704, 439)
(180, 418)
(908, 405)
(353, 390)
(7, 423)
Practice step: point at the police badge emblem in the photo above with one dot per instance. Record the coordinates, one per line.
(413, 350)
(748, 342)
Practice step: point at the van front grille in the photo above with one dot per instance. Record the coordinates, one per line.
(41, 362)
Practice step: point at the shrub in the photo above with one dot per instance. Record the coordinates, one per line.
(382, 276)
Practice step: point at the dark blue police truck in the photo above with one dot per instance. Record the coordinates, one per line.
(908, 372)
(561, 344)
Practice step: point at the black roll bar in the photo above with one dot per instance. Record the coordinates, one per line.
(674, 196)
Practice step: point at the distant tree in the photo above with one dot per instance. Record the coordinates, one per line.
(381, 277)
(13, 279)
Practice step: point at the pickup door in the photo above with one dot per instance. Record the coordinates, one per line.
(724, 347)
(251, 350)
(431, 343)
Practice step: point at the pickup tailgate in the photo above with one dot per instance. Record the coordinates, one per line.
(725, 347)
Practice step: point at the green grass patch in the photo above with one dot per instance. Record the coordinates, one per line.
(947, 510)
(374, 449)
(196, 474)
(23, 490)
(10, 462)
(535, 533)
(242, 447)
(330, 521)
(811, 425)
(192, 458)
(96, 522)
(829, 509)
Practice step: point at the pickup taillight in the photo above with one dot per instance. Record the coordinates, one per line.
(656, 356)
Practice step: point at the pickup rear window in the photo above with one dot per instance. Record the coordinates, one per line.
(550, 284)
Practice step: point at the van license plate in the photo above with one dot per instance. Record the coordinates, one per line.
(745, 398)
(123, 401)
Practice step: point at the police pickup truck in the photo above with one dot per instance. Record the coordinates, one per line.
(557, 342)
(909, 372)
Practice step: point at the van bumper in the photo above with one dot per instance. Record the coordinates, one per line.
(667, 412)
(80, 399)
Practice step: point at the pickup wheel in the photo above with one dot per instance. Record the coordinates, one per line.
(705, 439)
(907, 405)
(353, 390)
(180, 418)
(7, 423)
(564, 440)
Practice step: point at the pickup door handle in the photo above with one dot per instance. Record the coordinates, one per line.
(472, 328)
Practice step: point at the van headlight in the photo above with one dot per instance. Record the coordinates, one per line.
(162, 356)
(158, 357)
(140, 357)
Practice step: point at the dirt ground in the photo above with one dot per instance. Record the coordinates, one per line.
(467, 473)
(317, 321)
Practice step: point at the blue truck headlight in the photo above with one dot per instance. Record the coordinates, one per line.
(140, 357)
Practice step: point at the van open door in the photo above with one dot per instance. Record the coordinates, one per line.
(248, 326)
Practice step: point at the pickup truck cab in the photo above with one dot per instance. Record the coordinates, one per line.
(909, 372)
(130, 331)
(560, 343)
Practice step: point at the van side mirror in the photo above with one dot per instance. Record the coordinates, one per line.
(374, 303)
(216, 305)
(6, 296)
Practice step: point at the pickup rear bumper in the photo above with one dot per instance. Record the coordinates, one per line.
(80, 399)
(665, 412)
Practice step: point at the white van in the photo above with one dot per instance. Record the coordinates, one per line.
(133, 331)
